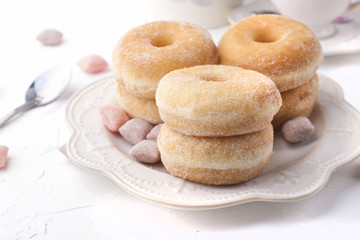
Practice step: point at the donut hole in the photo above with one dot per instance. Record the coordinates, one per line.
(160, 42)
(265, 37)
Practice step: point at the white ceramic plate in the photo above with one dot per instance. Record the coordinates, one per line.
(346, 40)
(295, 171)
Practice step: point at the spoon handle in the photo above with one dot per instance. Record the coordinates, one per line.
(26, 106)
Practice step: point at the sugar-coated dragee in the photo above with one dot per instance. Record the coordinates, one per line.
(113, 117)
(135, 130)
(3, 156)
(153, 134)
(92, 64)
(297, 129)
(145, 151)
(50, 37)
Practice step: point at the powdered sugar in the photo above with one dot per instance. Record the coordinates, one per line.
(137, 55)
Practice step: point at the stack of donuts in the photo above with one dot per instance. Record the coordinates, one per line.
(284, 50)
(148, 52)
(219, 119)
(217, 123)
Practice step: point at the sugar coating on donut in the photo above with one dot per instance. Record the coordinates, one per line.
(136, 107)
(297, 102)
(217, 100)
(145, 151)
(135, 130)
(297, 129)
(215, 160)
(146, 53)
(283, 49)
(159, 35)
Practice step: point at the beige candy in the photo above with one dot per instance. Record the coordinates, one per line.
(3, 156)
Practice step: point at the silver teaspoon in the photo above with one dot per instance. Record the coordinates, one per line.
(47, 87)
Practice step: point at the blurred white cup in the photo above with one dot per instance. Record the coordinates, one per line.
(207, 13)
(317, 14)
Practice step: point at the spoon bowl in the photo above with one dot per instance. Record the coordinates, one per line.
(46, 88)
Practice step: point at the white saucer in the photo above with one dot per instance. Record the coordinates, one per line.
(346, 40)
(295, 171)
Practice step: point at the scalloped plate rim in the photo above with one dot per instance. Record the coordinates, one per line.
(174, 204)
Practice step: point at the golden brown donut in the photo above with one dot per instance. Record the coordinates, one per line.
(283, 49)
(216, 160)
(146, 53)
(217, 100)
(297, 102)
(145, 109)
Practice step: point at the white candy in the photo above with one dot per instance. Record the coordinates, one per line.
(297, 129)
(135, 130)
(50, 37)
(153, 134)
(145, 151)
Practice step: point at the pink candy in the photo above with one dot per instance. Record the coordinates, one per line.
(63, 149)
(50, 37)
(135, 130)
(297, 129)
(92, 64)
(3, 156)
(145, 151)
(113, 117)
(153, 134)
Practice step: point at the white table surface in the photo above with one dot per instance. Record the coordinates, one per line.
(44, 196)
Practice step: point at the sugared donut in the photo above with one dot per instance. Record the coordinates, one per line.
(297, 102)
(217, 100)
(142, 108)
(146, 53)
(283, 49)
(213, 160)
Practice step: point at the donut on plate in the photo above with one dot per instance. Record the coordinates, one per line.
(281, 48)
(148, 52)
(297, 102)
(217, 100)
(145, 109)
(216, 160)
